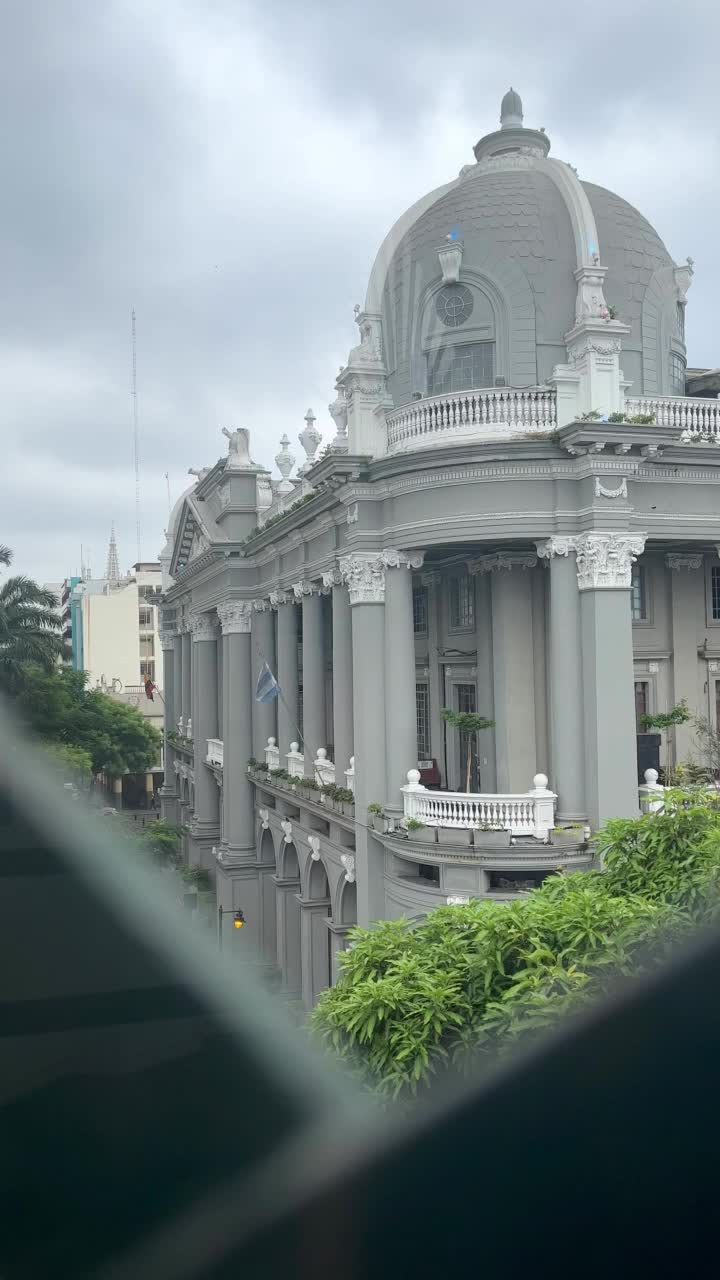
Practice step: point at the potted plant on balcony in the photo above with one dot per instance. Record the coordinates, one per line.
(375, 817)
(469, 723)
(418, 831)
(346, 799)
(492, 837)
(570, 836)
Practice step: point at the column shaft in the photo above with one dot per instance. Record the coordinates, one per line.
(566, 689)
(368, 644)
(314, 721)
(342, 661)
(177, 679)
(205, 726)
(610, 739)
(688, 585)
(400, 712)
(238, 816)
(186, 677)
(287, 676)
(169, 689)
(263, 649)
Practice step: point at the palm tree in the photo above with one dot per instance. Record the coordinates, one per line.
(29, 626)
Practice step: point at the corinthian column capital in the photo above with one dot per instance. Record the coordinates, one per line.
(605, 560)
(235, 617)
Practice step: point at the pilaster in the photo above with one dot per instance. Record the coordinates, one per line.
(342, 682)
(287, 670)
(687, 587)
(313, 665)
(263, 650)
(513, 668)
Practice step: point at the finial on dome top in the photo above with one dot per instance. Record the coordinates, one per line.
(511, 112)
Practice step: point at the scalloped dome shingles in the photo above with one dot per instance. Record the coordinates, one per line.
(517, 216)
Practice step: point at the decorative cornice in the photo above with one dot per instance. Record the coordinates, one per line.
(601, 490)
(556, 546)
(677, 561)
(203, 627)
(235, 617)
(278, 598)
(605, 560)
(505, 560)
(364, 573)
(348, 861)
(394, 559)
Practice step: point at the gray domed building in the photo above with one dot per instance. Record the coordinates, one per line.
(516, 517)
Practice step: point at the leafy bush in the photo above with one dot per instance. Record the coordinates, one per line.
(162, 839)
(375, 807)
(470, 980)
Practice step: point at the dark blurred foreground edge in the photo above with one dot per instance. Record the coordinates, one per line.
(157, 1123)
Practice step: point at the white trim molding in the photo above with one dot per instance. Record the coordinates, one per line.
(503, 560)
(679, 562)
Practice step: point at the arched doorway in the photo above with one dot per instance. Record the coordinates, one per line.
(316, 936)
(287, 886)
(267, 894)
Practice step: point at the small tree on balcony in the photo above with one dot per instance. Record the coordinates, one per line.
(468, 722)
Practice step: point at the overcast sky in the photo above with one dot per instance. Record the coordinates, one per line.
(229, 170)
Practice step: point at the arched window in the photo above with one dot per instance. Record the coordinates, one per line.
(458, 339)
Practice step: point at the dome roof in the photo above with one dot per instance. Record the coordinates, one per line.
(524, 226)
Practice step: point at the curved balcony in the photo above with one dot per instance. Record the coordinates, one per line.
(489, 414)
(693, 415)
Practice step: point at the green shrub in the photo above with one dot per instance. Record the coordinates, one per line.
(470, 980)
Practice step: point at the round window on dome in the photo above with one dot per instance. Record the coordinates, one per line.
(454, 305)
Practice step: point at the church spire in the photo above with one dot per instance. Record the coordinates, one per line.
(112, 570)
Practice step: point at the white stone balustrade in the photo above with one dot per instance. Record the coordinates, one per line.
(272, 754)
(652, 793)
(350, 776)
(528, 814)
(295, 761)
(324, 768)
(214, 752)
(497, 411)
(688, 414)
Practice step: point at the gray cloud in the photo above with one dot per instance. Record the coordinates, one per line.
(229, 170)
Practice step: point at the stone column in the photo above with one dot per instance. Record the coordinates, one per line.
(566, 680)
(206, 828)
(342, 664)
(513, 668)
(604, 563)
(186, 678)
(364, 573)
(287, 672)
(400, 713)
(238, 817)
(168, 794)
(219, 662)
(263, 650)
(177, 677)
(313, 682)
(688, 605)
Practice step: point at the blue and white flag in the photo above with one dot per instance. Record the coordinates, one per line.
(267, 686)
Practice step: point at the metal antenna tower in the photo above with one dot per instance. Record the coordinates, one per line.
(136, 437)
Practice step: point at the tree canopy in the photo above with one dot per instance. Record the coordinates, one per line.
(57, 706)
(468, 981)
(30, 631)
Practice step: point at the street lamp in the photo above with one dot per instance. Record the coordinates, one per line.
(238, 921)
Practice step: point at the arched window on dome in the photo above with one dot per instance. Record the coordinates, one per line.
(456, 340)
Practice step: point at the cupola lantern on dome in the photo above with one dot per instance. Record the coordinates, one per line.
(512, 136)
(511, 112)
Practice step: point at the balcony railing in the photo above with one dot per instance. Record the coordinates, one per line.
(215, 752)
(693, 414)
(524, 814)
(497, 411)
